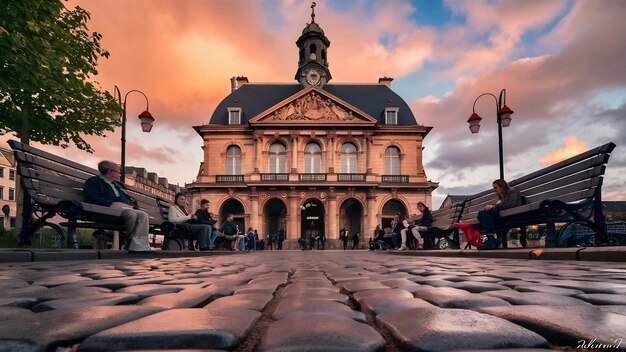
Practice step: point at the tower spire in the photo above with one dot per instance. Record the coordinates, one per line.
(313, 12)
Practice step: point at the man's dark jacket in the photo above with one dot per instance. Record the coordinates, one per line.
(97, 191)
(204, 217)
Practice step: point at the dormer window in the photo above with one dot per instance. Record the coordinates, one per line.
(234, 116)
(391, 116)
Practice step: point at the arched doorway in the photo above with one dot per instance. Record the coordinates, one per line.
(390, 209)
(350, 215)
(312, 218)
(234, 206)
(274, 213)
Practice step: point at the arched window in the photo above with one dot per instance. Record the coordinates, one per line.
(312, 159)
(233, 160)
(392, 161)
(278, 158)
(348, 159)
(312, 49)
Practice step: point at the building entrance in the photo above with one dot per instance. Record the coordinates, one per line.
(275, 213)
(312, 219)
(350, 217)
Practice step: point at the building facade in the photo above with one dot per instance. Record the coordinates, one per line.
(7, 189)
(139, 177)
(311, 157)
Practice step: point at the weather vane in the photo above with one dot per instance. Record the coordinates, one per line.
(313, 12)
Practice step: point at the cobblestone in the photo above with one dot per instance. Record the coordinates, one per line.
(310, 301)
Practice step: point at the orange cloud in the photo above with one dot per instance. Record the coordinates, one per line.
(573, 146)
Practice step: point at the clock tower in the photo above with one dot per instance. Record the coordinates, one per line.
(313, 62)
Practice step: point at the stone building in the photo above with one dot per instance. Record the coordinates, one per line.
(7, 189)
(151, 182)
(311, 157)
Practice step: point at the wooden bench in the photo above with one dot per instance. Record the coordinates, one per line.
(568, 192)
(52, 185)
(443, 226)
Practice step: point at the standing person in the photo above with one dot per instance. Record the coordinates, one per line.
(231, 229)
(270, 241)
(421, 224)
(355, 241)
(343, 236)
(489, 217)
(179, 213)
(280, 239)
(106, 190)
(203, 216)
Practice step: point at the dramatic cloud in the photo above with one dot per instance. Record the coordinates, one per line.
(573, 146)
(560, 61)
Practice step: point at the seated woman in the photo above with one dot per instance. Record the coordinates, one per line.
(420, 224)
(179, 213)
(489, 217)
(397, 226)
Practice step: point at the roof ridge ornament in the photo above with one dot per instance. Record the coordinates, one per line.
(313, 12)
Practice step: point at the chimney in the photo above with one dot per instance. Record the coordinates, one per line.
(386, 81)
(241, 80)
(233, 84)
(237, 82)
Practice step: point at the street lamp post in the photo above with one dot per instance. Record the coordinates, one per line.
(503, 116)
(146, 125)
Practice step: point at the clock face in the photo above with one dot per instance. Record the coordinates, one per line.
(313, 78)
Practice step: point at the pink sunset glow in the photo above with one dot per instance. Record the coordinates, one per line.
(561, 63)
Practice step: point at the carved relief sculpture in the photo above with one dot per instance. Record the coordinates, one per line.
(311, 107)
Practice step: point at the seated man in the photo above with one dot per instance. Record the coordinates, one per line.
(231, 229)
(106, 190)
(203, 216)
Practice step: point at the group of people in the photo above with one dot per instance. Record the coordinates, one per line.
(405, 229)
(276, 240)
(106, 190)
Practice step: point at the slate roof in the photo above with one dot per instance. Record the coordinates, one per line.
(614, 206)
(255, 98)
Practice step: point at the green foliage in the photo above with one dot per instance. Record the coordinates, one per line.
(47, 61)
(44, 239)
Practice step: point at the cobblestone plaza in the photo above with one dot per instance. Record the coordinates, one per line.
(311, 301)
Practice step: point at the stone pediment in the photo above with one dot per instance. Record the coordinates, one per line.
(313, 106)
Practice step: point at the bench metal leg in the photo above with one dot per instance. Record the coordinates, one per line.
(72, 240)
(551, 238)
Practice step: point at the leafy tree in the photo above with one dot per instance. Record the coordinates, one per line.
(47, 61)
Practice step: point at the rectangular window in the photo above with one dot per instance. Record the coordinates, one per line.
(234, 116)
(391, 116)
(1, 192)
(11, 194)
(12, 222)
(1, 172)
(11, 174)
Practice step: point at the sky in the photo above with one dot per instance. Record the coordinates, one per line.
(561, 63)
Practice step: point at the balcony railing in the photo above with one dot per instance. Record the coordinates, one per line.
(274, 177)
(396, 178)
(313, 177)
(351, 177)
(229, 179)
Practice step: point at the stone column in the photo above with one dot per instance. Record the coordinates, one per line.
(294, 153)
(331, 150)
(368, 155)
(258, 145)
(332, 232)
(371, 220)
(292, 214)
(254, 208)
